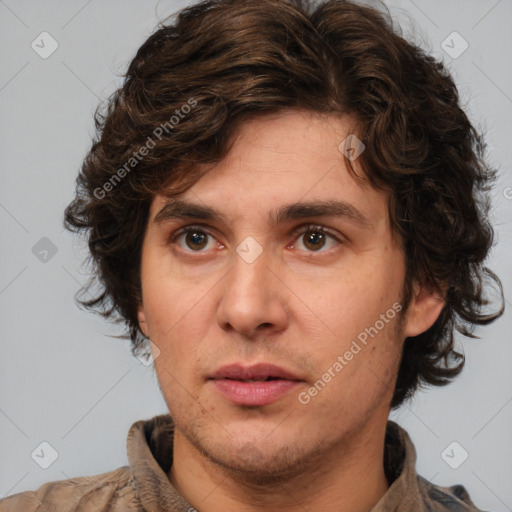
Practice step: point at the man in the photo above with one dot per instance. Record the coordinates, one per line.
(288, 201)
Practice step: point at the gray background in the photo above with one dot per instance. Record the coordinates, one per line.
(63, 380)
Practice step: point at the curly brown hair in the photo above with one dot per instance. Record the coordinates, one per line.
(221, 62)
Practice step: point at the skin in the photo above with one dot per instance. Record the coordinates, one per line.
(298, 305)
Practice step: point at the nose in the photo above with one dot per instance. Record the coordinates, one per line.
(253, 300)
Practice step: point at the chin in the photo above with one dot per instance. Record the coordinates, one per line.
(259, 462)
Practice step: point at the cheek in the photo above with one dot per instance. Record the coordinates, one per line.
(169, 297)
(178, 315)
(357, 313)
(355, 370)
(347, 302)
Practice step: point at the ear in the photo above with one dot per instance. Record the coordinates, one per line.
(141, 317)
(424, 309)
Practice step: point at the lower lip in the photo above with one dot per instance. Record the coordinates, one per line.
(254, 393)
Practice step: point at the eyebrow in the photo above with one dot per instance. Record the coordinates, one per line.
(180, 209)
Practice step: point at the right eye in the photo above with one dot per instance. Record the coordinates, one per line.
(193, 239)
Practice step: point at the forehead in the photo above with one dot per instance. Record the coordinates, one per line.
(280, 165)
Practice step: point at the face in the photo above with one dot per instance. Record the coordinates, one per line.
(259, 287)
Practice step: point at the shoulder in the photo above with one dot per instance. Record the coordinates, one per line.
(446, 499)
(111, 491)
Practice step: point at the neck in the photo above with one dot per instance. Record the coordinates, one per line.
(349, 477)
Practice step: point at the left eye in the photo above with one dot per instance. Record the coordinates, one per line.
(315, 238)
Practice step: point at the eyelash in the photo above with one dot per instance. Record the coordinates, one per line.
(296, 233)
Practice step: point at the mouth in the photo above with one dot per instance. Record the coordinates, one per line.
(257, 373)
(255, 386)
(255, 380)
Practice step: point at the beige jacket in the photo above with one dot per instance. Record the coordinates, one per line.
(143, 486)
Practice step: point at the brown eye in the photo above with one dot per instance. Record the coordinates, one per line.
(314, 240)
(196, 240)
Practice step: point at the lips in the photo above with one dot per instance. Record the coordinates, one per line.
(256, 385)
(259, 372)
